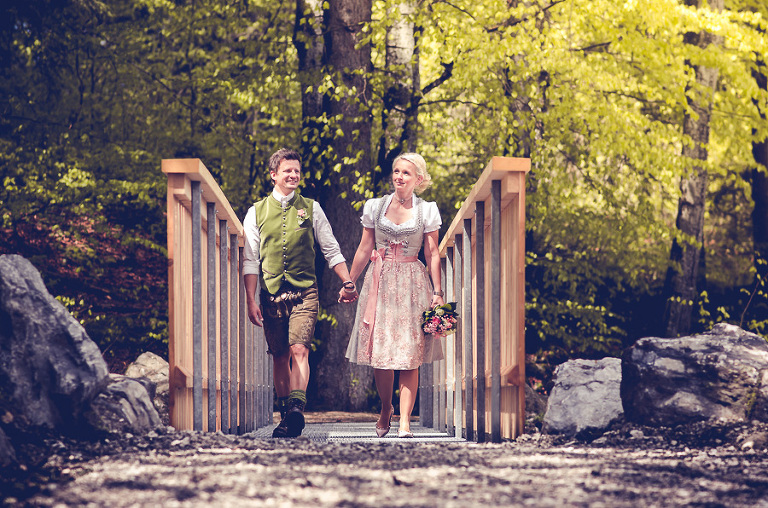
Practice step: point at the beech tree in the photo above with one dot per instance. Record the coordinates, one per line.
(687, 247)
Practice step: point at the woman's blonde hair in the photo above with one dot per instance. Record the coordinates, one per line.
(421, 169)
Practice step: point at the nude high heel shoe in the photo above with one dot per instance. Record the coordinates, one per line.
(383, 432)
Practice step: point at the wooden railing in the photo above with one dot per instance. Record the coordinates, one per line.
(218, 361)
(479, 389)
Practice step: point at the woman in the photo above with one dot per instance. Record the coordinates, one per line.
(387, 333)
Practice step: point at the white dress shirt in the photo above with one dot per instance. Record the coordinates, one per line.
(322, 228)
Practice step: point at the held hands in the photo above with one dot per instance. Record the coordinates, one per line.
(348, 292)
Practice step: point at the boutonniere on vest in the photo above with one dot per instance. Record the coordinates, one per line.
(302, 215)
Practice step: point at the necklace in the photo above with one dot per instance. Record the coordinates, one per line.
(402, 201)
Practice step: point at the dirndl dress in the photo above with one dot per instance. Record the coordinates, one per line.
(396, 291)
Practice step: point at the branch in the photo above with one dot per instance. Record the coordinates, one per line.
(445, 76)
(512, 22)
(455, 101)
(598, 46)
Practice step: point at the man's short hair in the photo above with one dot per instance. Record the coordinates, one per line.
(282, 155)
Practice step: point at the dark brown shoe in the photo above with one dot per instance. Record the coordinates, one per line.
(281, 430)
(294, 418)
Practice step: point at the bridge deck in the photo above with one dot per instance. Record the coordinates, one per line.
(356, 428)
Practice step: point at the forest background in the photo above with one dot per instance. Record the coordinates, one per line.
(647, 201)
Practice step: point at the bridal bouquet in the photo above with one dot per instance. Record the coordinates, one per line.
(441, 320)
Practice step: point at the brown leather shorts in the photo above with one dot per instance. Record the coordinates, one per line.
(289, 318)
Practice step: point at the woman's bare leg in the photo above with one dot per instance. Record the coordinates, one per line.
(409, 386)
(385, 384)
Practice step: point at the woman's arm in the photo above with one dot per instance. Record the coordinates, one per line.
(432, 256)
(363, 254)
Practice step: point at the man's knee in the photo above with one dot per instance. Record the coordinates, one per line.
(299, 351)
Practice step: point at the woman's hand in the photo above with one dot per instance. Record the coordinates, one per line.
(437, 300)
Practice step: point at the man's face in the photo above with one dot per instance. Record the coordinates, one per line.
(287, 176)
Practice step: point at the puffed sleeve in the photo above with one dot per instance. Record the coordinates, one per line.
(432, 220)
(368, 209)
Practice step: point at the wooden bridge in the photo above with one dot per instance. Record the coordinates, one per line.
(221, 376)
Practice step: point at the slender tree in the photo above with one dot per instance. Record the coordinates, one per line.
(399, 115)
(686, 254)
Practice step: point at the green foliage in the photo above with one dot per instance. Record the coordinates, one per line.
(593, 91)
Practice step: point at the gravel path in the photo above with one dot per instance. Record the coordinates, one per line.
(626, 467)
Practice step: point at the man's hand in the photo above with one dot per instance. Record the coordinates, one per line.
(347, 296)
(254, 313)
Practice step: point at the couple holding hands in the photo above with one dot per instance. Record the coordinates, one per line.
(279, 256)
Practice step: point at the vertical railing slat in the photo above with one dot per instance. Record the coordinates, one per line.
(450, 341)
(425, 398)
(480, 312)
(234, 288)
(211, 356)
(224, 323)
(197, 309)
(458, 349)
(251, 378)
(242, 356)
(496, 311)
(467, 331)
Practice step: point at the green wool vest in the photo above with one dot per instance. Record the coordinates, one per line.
(287, 247)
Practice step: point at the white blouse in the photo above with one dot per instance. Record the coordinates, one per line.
(429, 210)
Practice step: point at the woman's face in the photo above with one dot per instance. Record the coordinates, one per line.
(404, 177)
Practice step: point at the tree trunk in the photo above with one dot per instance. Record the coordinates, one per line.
(340, 384)
(685, 257)
(760, 189)
(308, 40)
(399, 124)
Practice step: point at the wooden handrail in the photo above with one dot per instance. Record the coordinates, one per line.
(484, 242)
(213, 349)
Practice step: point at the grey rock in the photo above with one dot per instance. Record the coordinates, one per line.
(123, 407)
(718, 376)
(755, 441)
(50, 369)
(152, 367)
(535, 403)
(585, 398)
(7, 453)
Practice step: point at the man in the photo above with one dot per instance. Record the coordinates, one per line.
(279, 255)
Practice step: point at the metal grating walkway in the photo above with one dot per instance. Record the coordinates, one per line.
(361, 432)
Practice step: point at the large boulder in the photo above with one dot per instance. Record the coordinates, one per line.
(50, 369)
(152, 367)
(585, 398)
(125, 406)
(721, 375)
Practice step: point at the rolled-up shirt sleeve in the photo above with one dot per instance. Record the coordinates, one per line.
(324, 236)
(252, 243)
